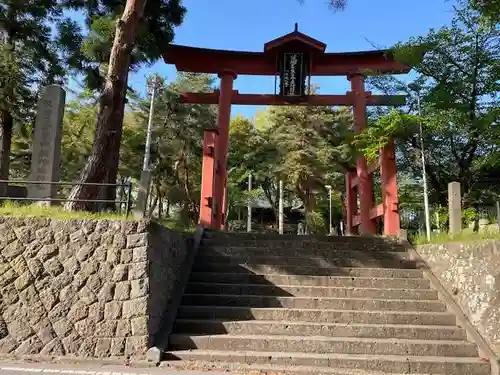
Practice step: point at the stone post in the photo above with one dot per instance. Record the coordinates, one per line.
(455, 207)
(46, 155)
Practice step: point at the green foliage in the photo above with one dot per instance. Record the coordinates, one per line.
(458, 86)
(304, 147)
(11, 78)
(315, 223)
(394, 125)
(469, 215)
(29, 60)
(27, 31)
(176, 148)
(89, 53)
(311, 150)
(78, 132)
(489, 9)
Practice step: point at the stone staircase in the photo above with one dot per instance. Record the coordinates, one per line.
(329, 305)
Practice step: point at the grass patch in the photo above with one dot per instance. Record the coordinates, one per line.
(55, 212)
(14, 209)
(178, 226)
(465, 236)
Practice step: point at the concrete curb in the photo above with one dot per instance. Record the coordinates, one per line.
(473, 334)
(154, 354)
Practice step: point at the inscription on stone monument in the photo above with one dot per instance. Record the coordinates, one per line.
(46, 154)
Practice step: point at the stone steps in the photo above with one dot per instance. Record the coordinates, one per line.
(327, 305)
(305, 241)
(262, 301)
(312, 344)
(301, 252)
(366, 262)
(288, 242)
(316, 315)
(304, 280)
(262, 269)
(388, 364)
(261, 369)
(309, 291)
(306, 329)
(282, 245)
(221, 236)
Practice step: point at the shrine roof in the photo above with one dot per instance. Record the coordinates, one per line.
(295, 37)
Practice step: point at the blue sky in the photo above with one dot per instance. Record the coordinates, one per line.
(248, 24)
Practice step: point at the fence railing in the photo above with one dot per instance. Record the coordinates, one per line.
(125, 197)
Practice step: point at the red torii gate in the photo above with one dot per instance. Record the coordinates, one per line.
(294, 57)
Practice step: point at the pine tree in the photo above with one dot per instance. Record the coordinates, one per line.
(124, 35)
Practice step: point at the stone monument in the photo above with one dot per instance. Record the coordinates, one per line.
(46, 153)
(455, 207)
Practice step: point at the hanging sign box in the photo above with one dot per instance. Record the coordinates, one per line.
(293, 73)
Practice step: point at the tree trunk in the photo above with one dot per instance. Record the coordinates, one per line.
(109, 193)
(6, 118)
(5, 144)
(110, 118)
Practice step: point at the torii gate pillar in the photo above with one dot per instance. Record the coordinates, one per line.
(227, 78)
(365, 183)
(213, 205)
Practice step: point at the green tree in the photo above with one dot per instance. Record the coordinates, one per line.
(29, 60)
(126, 34)
(459, 87)
(245, 145)
(177, 146)
(461, 101)
(308, 153)
(490, 9)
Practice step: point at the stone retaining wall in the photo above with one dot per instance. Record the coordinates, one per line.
(93, 288)
(471, 274)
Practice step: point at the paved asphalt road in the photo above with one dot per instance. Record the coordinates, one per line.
(80, 369)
